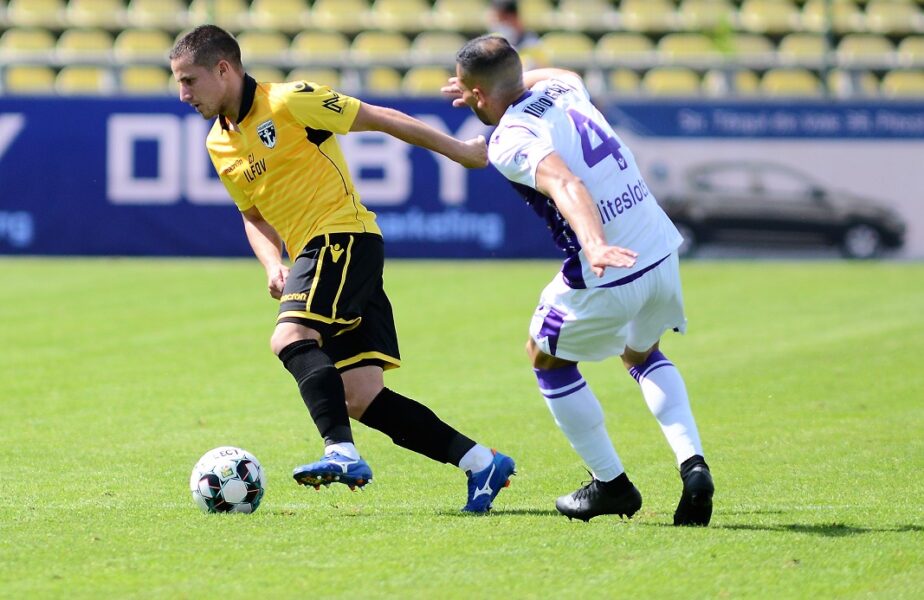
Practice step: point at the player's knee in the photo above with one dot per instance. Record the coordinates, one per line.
(633, 358)
(361, 386)
(287, 333)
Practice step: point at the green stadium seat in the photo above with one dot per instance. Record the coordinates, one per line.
(803, 49)
(910, 51)
(289, 16)
(105, 14)
(28, 80)
(142, 46)
(706, 15)
(567, 48)
(732, 81)
(348, 16)
(845, 16)
(36, 13)
(84, 46)
(671, 81)
(266, 73)
(865, 49)
(753, 50)
(144, 80)
(648, 15)
(687, 48)
(893, 18)
(589, 16)
(380, 48)
(383, 81)
(409, 16)
(469, 16)
(320, 47)
(425, 80)
(620, 48)
(436, 47)
(791, 82)
(27, 43)
(623, 81)
(769, 16)
(84, 80)
(903, 84)
(319, 75)
(231, 15)
(267, 47)
(843, 83)
(537, 15)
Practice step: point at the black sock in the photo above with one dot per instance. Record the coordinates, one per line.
(321, 388)
(691, 462)
(412, 425)
(618, 485)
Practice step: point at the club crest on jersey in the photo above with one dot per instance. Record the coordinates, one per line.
(267, 132)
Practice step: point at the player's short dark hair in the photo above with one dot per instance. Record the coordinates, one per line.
(491, 60)
(206, 45)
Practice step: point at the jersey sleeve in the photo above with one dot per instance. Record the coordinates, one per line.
(517, 148)
(319, 107)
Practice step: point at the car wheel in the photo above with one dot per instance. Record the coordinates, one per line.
(861, 241)
(690, 242)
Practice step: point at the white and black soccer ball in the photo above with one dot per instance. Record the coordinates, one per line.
(227, 479)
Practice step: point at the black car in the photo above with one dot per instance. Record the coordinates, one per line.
(757, 203)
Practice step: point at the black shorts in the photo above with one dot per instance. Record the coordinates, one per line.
(335, 287)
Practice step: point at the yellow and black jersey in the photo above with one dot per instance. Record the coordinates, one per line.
(286, 161)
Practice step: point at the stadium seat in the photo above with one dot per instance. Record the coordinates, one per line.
(594, 16)
(436, 47)
(706, 15)
(348, 16)
(146, 80)
(27, 43)
(623, 81)
(618, 48)
(865, 49)
(380, 48)
(320, 47)
(843, 83)
(790, 82)
(106, 14)
(231, 15)
(893, 18)
(269, 47)
(845, 16)
(289, 16)
(469, 16)
(567, 49)
(408, 16)
(322, 76)
(142, 46)
(83, 80)
(671, 81)
(266, 73)
(425, 80)
(384, 81)
(752, 50)
(35, 13)
(648, 15)
(774, 17)
(910, 51)
(722, 83)
(687, 48)
(28, 80)
(537, 15)
(903, 84)
(170, 15)
(84, 46)
(803, 49)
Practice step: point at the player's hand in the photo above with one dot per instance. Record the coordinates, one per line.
(276, 276)
(474, 153)
(452, 90)
(601, 257)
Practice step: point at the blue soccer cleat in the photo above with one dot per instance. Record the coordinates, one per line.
(334, 468)
(484, 485)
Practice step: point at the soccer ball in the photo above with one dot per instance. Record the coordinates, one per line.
(227, 479)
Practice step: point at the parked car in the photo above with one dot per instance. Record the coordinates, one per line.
(758, 203)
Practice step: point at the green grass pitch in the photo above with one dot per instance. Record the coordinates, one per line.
(805, 378)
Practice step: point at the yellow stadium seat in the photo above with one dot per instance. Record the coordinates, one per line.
(380, 47)
(537, 15)
(769, 16)
(567, 49)
(851, 84)
(706, 15)
(27, 43)
(266, 73)
(263, 47)
(619, 48)
(790, 82)
(803, 49)
(349, 16)
(106, 14)
(231, 15)
(289, 16)
(722, 83)
(903, 84)
(142, 46)
(751, 49)
(671, 81)
(35, 13)
(84, 45)
(399, 15)
(321, 76)
(911, 51)
(164, 14)
(320, 47)
(893, 18)
(623, 81)
(866, 49)
(84, 80)
(687, 48)
(147, 80)
(648, 15)
(383, 81)
(436, 47)
(845, 16)
(586, 15)
(460, 15)
(425, 80)
(28, 80)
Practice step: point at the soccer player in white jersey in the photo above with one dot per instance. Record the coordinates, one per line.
(619, 288)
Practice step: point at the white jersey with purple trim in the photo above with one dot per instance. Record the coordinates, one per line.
(557, 115)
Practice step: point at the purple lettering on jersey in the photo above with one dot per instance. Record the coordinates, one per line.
(609, 146)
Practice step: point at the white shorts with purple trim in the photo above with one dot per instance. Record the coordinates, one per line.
(598, 323)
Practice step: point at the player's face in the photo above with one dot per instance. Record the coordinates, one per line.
(203, 88)
(474, 100)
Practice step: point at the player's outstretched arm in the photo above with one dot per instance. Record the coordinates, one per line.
(267, 246)
(558, 182)
(471, 153)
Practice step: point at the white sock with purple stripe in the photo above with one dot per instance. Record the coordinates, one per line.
(666, 396)
(578, 414)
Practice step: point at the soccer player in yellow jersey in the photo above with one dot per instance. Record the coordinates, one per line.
(274, 147)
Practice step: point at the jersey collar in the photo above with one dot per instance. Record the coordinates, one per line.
(250, 90)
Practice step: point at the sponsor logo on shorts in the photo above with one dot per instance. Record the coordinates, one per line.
(300, 296)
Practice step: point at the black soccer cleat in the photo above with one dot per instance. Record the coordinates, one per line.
(695, 507)
(594, 499)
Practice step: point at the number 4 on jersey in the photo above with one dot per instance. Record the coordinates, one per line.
(608, 146)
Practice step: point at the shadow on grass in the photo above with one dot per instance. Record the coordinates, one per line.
(823, 529)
